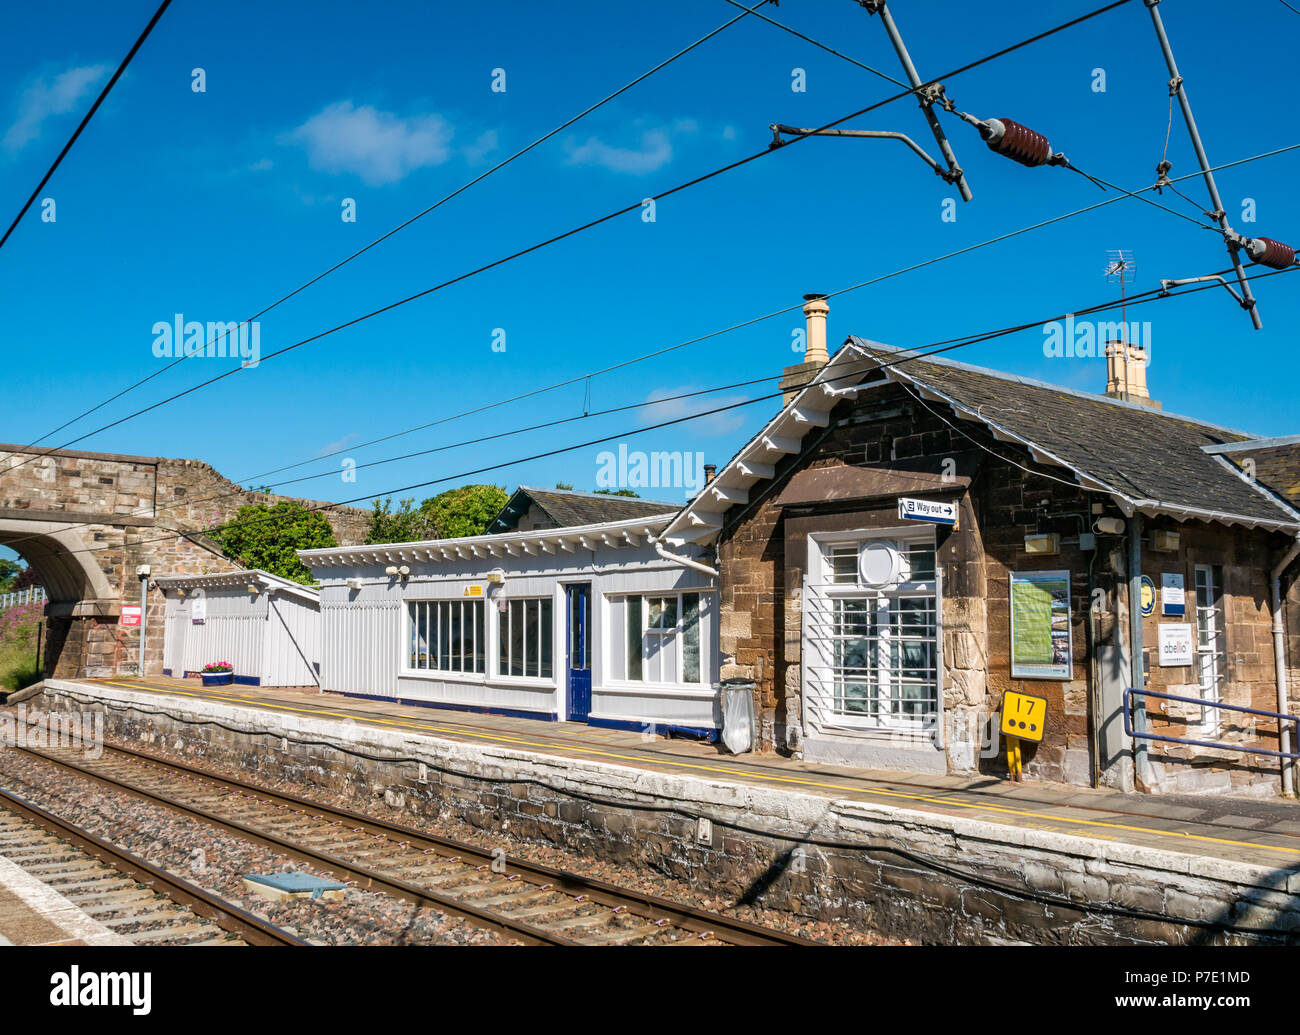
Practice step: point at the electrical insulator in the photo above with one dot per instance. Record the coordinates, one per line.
(1019, 143)
(1271, 253)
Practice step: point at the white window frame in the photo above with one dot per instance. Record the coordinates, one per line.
(481, 636)
(820, 572)
(1209, 655)
(620, 679)
(500, 626)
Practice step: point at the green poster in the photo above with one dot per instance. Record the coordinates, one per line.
(1040, 625)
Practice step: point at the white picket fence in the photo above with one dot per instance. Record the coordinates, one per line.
(31, 595)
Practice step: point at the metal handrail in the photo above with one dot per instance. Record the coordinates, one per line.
(1128, 724)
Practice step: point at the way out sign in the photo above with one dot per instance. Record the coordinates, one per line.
(927, 510)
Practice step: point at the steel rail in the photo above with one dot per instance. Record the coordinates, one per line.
(229, 917)
(338, 866)
(637, 903)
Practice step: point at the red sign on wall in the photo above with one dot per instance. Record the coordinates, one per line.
(130, 614)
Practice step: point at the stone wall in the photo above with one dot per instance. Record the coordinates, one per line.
(86, 521)
(925, 877)
(1006, 496)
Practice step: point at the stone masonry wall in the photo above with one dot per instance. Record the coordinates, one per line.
(925, 877)
(762, 552)
(142, 501)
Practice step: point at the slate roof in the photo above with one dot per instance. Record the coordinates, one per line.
(1156, 459)
(1273, 461)
(1150, 461)
(568, 509)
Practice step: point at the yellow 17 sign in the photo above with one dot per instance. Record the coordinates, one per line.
(1023, 716)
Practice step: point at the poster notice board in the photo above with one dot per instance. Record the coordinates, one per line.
(1041, 646)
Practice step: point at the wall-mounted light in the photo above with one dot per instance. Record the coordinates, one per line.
(391, 570)
(180, 591)
(252, 589)
(1044, 543)
(497, 576)
(1109, 526)
(354, 585)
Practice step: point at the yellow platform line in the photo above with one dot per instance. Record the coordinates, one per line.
(728, 770)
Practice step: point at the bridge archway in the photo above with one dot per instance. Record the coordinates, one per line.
(77, 588)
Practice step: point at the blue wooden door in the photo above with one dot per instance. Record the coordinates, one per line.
(579, 651)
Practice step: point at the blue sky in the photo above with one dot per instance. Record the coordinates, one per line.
(214, 204)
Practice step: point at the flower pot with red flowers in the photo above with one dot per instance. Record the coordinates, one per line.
(218, 673)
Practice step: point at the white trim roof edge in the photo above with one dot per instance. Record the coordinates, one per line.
(536, 535)
(1254, 443)
(234, 578)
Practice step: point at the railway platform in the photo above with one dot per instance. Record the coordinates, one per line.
(1022, 853)
(33, 913)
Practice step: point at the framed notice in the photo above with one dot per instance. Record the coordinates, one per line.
(1173, 594)
(1177, 649)
(198, 609)
(1041, 647)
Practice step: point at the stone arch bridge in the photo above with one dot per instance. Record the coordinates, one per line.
(86, 521)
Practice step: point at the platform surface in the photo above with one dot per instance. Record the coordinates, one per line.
(1259, 832)
(33, 913)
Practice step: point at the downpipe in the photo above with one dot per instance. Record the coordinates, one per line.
(663, 552)
(1279, 660)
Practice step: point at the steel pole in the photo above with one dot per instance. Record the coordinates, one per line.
(913, 77)
(1176, 84)
(144, 600)
(1137, 669)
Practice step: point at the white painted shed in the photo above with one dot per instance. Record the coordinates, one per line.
(591, 623)
(266, 626)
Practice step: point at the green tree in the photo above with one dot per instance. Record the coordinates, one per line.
(266, 537)
(9, 571)
(406, 524)
(455, 513)
(466, 510)
(564, 486)
(617, 492)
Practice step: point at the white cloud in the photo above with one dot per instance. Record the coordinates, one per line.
(483, 146)
(378, 146)
(654, 149)
(659, 408)
(46, 98)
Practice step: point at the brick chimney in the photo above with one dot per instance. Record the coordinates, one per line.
(1126, 374)
(815, 310)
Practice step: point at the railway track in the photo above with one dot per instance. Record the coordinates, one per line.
(529, 902)
(127, 894)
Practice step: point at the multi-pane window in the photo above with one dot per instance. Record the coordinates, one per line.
(878, 646)
(1211, 648)
(525, 639)
(447, 635)
(842, 563)
(657, 638)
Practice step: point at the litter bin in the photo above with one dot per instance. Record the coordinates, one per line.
(738, 715)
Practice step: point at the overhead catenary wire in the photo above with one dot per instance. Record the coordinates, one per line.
(85, 121)
(415, 218)
(1123, 195)
(659, 352)
(585, 226)
(936, 348)
(817, 43)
